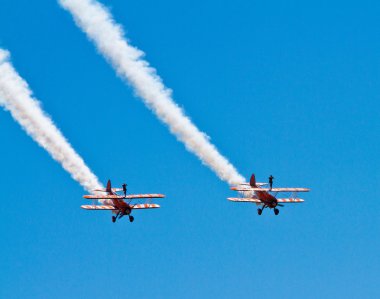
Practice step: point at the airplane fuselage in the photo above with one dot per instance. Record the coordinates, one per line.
(266, 198)
(120, 204)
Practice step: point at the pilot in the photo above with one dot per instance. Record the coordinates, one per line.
(271, 181)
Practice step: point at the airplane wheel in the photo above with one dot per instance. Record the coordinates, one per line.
(259, 211)
(276, 211)
(113, 219)
(131, 218)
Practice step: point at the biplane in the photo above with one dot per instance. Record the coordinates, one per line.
(119, 204)
(265, 197)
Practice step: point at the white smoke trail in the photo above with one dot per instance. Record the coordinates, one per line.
(95, 20)
(16, 96)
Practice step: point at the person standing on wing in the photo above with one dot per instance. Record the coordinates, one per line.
(271, 181)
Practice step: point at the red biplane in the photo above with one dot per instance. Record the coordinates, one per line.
(120, 204)
(265, 197)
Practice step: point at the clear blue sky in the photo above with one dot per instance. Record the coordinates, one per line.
(285, 88)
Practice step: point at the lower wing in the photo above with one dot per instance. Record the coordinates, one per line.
(112, 208)
(242, 199)
(279, 200)
(145, 206)
(289, 200)
(98, 207)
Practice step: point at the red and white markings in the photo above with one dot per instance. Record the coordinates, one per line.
(280, 200)
(272, 190)
(242, 199)
(103, 196)
(131, 196)
(98, 207)
(145, 206)
(289, 200)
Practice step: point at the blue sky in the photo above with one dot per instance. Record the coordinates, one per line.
(285, 88)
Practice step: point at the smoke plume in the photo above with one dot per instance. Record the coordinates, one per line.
(16, 97)
(96, 21)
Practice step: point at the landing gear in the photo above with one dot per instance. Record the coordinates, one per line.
(131, 218)
(113, 219)
(276, 211)
(259, 211)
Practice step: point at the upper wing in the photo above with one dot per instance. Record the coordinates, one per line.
(146, 206)
(131, 196)
(247, 199)
(257, 184)
(105, 190)
(101, 196)
(273, 189)
(98, 207)
(289, 189)
(289, 200)
(247, 189)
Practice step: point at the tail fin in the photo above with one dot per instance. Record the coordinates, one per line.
(108, 189)
(252, 181)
